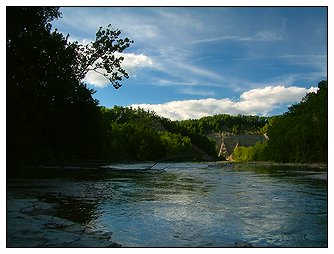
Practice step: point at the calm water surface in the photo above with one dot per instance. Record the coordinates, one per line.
(191, 204)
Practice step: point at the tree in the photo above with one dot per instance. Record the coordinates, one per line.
(100, 56)
(299, 135)
(303, 129)
(50, 112)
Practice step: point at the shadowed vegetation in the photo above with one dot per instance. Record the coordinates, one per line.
(299, 135)
(52, 117)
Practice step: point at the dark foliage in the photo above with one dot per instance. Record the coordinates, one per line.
(51, 114)
(136, 134)
(53, 118)
(300, 135)
(239, 124)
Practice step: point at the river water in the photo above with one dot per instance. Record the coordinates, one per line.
(189, 204)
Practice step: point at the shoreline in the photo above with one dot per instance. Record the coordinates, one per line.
(319, 165)
(105, 163)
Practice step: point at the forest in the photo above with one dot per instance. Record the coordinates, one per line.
(299, 135)
(52, 117)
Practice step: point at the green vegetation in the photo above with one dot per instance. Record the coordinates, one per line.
(51, 114)
(136, 134)
(300, 135)
(53, 118)
(239, 124)
(252, 153)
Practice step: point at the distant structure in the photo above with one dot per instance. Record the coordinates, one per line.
(226, 142)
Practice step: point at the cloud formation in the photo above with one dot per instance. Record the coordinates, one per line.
(130, 63)
(261, 101)
(210, 52)
(261, 36)
(192, 91)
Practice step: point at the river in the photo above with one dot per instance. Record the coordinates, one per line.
(173, 205)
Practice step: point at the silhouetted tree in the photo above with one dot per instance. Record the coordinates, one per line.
(50, 112)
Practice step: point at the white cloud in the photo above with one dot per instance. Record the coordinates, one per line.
(184, 20)
(262, 36)
(275, 94)
(130, 63)
(192, 91)
(96, 79)
(254, 102)
(194, 70)
(267, 36)
(147, 31)
(175, 38)
(165, 82)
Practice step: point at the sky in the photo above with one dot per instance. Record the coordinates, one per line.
(190, 62)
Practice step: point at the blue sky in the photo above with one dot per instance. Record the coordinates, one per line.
(188, 62)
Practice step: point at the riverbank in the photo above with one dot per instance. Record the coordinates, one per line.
(318, 165)
(33, 223)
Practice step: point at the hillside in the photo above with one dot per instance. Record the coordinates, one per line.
(299, 135)
(139, 135)
(227, 142)
(230, 142)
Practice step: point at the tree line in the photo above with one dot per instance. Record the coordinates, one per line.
(137, 134)
(299, 135)
(239, 124)
(131, 134)
(52, 117)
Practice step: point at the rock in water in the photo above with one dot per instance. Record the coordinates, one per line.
(243, 245)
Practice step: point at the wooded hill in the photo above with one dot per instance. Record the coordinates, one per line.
(52, 117)
(136, 134)
(299, 135)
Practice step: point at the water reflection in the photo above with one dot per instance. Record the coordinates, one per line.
(191, 204)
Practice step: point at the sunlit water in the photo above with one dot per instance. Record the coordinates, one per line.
(191, 204)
